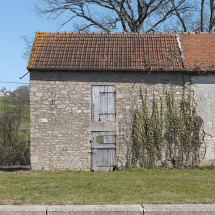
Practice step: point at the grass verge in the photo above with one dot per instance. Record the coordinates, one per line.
(136, 186)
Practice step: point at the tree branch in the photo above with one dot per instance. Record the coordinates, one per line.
(178, 14)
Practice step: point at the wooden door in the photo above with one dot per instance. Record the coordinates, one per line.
(103, 103)
(103, 149)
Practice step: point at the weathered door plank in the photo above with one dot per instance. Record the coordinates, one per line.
(103, 103)
(103, 151)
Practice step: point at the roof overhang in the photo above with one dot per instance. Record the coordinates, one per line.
(120, 70)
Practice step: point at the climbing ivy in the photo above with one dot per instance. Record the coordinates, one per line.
(147, 134)
(186, 131)
(172, 125)
(170, 136)
(157, 127)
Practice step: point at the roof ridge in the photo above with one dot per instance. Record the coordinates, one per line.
(102, 33)
(120, 33)
(196, 32)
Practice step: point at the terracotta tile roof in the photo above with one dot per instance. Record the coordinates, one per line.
(101, 51)
(199, 51)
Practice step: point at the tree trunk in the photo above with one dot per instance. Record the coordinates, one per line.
(212, 15)
(202, 15)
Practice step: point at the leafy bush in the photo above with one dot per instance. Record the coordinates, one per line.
(14, 129)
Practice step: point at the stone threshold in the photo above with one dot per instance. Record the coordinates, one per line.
(146, 209)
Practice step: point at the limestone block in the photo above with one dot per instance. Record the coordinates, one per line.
(210, 153)
(95, 210)
(23, 209)
(184, 209)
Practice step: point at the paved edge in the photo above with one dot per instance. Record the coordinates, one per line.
(96, 208)
(191, 209)
(23, 208)
(149, 208)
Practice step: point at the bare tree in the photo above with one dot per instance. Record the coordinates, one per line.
(212, 18)
(179, 15)
(196, 16)
(108, 15)
(202, 15)
(28, 40)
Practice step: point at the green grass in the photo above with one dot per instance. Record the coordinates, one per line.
(137, 186)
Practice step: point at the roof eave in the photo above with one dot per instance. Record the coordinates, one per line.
(96, 69)
(122, 70)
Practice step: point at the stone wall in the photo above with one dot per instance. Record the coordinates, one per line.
(61, 113)
(204, 96)
(60, 121)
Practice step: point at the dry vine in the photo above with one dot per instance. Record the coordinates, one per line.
(174, 133)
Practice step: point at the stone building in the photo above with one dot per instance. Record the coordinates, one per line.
(85, 88)
(4, 93)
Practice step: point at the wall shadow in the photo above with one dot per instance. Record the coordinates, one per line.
(15, 169)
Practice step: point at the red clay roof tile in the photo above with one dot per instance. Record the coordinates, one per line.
(199, 51)
(117, 51)
(122, 51)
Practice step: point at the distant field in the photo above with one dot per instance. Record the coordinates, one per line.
(137, 186)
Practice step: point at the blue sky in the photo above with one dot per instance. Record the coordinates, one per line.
(18, 18)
